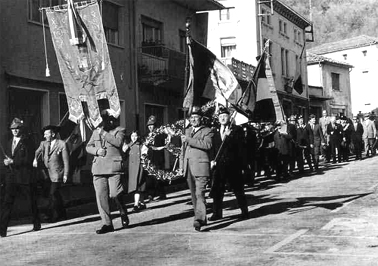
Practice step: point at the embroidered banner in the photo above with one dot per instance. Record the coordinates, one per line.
(85, 67)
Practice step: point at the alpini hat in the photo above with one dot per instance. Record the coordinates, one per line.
(151, 120)
(223, 110)
(292, 118)
(196, 110)
(16, 123)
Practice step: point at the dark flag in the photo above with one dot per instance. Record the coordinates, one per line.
(297, 83)
(75, 137)
(209, 78)
(267, 107)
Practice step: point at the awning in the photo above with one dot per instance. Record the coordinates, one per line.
(200, 5)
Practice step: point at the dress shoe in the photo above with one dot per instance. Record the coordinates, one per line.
(215, 217)
(244, 216)
(37, 227)
(105, 229)
(125, 220)
(136, 208)
(3, 234)
(142, 206)
(197, 226)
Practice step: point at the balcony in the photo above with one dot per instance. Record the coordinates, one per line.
(159, 65)
(241, 70)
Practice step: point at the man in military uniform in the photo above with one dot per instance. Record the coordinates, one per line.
(195, 163)
(107, 167)
(227, 164)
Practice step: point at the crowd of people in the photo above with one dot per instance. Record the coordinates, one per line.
(222, 156)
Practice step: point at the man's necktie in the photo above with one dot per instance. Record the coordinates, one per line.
(223, 133)
(14, 143)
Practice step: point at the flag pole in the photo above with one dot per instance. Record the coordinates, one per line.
(188, 37)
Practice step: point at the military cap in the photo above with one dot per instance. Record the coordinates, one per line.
(196, 110)
(223, 110)
(16, 123)
(292, 118)
(300, 117)
(151, 120)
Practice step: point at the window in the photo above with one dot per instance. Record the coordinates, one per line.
(224, 14)
(283, 65)
(33, 9)
(295, 35)
(285, 62)
(110, 18)
(228, 47)
(299, 37)
(335, 81)
(152, 31)
(182, 40)
(282, 26)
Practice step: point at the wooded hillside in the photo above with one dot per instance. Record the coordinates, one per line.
(336, 20)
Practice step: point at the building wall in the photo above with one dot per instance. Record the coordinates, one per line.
(244, 27)
(341, 99)
(241, 26)
(23, 69)
(314, 75)
(363, 76)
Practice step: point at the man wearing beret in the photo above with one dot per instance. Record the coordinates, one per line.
(18, 180)
(195, 162)
(54, 154)
(107, 167)
(227, 163)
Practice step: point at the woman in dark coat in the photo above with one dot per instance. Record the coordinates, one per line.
(136, 176)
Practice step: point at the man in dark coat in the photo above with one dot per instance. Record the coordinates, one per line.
(304, 149)
(356, 137)
(346, 138)
(282, 139)
(316, 140)
(334, 131)
(292, 130)
(227, 165)
(156, 187)
(195, 163)
(19, 164)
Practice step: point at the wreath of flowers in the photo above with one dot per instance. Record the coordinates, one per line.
(175, 129)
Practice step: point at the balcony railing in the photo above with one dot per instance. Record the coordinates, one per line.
(159, 63)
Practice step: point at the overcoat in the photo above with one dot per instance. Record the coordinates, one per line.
(135, 169)
(195, 151)
(20, 172)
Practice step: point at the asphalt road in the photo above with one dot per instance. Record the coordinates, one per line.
(329, 218)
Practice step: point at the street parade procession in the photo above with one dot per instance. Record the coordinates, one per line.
(229, 135)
